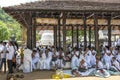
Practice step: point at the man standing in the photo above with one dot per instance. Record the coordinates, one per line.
(3, 56)
(10, 54)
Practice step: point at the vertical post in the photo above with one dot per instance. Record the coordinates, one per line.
(96, 32)
(59, 37)
(64, 32)
(34, 32)
(85, 26)
(28, 19)
(72, 36)
(55, 36)
(90, 36)
(109, 31)
(77, 37)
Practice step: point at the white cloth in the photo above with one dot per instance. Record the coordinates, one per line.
(81, 57)
(27, 61)
(35, 59)
(100, 65)
(74, 61)
(4, 49)
(107, 61)
(10, 55)
(116, 65)
(88, 58)
(93, 60)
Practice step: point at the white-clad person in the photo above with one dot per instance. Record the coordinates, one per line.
(27, 60)
(107, 59)
(93, 57)
(3, 56)
(54, 61)
(35, 58)
(87, 56)
(100, 71)
(61, 62)
(10, 55)
(74, 59)
(115, 65)
(42, 59)
(81, 54)
(48, 59)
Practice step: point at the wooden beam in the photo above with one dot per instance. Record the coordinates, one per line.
(28, 19)
(34, 33)
(96, 32)
(109, 31)
(77, 33)
(85, 34)
(72, 36)
(64, 32)
(55, 36)
(59, 36)
(90, 36)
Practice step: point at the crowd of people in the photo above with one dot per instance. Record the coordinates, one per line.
(83, 62)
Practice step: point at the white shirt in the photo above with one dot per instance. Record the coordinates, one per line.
(116, 64)
(100, 65)
(4, 49)
(11, 52)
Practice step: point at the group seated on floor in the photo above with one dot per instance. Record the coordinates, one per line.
(82, 62)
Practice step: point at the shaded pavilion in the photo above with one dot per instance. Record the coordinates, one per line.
(66, 15)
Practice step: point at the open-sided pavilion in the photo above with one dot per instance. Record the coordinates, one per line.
(64, 15)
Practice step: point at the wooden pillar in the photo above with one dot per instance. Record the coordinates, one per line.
(34, 32)
(55, 36)
(59, 37)
(90, 36)
(109, 31)
(77, 36)
(72, 35)
(85, 34)
(28, 19)
(64, 32)
(96, 32)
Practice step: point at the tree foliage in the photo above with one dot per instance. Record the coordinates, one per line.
(8, 27)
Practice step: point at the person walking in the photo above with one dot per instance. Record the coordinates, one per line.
(3, 56)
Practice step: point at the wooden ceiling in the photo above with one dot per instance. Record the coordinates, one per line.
(47, 13)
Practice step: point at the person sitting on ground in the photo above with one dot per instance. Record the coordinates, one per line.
(82, 66)
(35, 58)
(115, 65)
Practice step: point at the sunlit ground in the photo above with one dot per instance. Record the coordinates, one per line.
(46, 75)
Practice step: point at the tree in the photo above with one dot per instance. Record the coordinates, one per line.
(4, 32)
(13, 27)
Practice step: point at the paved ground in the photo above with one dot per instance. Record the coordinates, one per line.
(46, 75)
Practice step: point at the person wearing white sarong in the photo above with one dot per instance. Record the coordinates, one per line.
(81, 54)
(100, 71)
(107, 59)
(93, 57)
(35, 58)
(27, 61)
(48, 59)
(74, 59)
(82, 66)
(115, 65)
(61, 59)
(55, 59)
(42, 60)
(87, 56)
